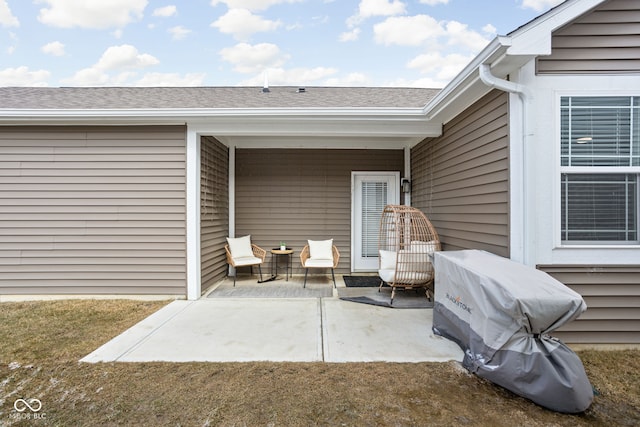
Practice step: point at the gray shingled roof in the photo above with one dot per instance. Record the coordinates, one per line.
(212, 97)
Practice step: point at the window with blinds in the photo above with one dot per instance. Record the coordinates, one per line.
(598, 137)
(374, 199)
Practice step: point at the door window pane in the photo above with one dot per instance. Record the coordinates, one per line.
(374, 199)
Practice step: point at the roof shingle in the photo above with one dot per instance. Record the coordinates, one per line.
(234, 97)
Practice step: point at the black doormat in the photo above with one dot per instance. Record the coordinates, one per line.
(361, 281)
(403, 299)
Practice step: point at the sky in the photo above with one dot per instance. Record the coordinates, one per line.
(397, 43)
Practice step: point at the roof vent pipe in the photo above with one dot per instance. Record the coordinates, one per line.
(265, 86)
(301, 90)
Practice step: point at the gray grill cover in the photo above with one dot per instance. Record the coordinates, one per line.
(500, 312)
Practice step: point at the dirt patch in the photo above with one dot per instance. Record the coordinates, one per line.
(45, 340)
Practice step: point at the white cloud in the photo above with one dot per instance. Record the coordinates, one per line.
(11, 48)
(426, 82)
(349, 36)
(179, 32)
(6, 17)
(407, 30)
(351, 79)
(54, 48)
(241, 23)
(434, 2)
(91, 14)
(489, 29)
(252, 5)
(171, 79)
(249, 59)
(441, 69)
(540, 5)
(124, 57)
(460, 35)
(292, 77)
(95, 77)
(369, 8)
(165, 11)
(22, 76)
(118, 65)
(88, 77)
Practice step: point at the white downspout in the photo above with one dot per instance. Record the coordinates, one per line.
(519, 216)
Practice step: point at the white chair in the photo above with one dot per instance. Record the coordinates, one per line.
(242, 253)
(319, 254)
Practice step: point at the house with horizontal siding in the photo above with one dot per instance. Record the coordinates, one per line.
(532, 152)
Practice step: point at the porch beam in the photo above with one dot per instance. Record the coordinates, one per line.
(301, 126)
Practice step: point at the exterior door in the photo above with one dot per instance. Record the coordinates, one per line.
(371, 191)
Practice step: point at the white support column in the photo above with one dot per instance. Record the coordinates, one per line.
(232, 197)
(407, 173)
(194, 284)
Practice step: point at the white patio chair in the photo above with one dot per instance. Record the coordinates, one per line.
(319, 254)
(242, 253)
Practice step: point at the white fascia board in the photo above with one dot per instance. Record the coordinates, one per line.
(195, 113)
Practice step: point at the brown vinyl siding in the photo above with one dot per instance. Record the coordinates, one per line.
(295, 195)
(603, 41)
(92, 210)
(461, 179)
(612, 294)
(214, 210)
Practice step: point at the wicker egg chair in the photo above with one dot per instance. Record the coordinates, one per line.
(406, 244)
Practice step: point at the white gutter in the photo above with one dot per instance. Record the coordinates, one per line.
(192, 113)
(497, 83)
(519, 216)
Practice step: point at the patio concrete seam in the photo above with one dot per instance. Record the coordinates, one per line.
(325, 332)
(152, 332)
(321, 329)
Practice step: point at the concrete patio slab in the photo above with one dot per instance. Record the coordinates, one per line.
(224, 330)
(279, 329)
(365, 333)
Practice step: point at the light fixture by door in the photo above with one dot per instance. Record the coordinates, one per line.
(405, 184)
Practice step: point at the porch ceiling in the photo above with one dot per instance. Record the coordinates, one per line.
(319, 142)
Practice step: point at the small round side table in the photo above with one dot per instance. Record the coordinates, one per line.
(275, 254)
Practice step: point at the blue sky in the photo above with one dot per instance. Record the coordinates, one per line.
(417, 43)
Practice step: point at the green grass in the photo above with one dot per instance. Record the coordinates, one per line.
(41, 343)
